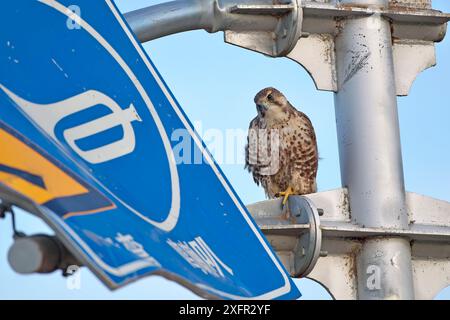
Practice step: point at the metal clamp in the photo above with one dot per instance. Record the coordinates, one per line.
(293, 231)
(269, 27)
(277, 42)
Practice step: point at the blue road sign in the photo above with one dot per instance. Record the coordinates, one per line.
(85, 127)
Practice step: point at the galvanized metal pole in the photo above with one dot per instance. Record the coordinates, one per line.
(370, 152)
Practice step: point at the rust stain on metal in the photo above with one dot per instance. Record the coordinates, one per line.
(350, 265)
(329, 49)
(404, 9)
(351, 6)
(414, 4)
(398, 6)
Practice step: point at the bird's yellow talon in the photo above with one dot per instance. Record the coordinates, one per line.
(285, 194)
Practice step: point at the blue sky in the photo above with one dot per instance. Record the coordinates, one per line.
(215, 84)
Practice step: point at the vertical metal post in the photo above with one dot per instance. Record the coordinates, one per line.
(370, 152)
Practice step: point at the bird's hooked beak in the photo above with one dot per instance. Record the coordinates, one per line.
(261, 108)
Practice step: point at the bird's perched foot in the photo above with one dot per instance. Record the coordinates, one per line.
(285, 194)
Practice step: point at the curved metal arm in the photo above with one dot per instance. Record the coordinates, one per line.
(168, 18)
(259, 25)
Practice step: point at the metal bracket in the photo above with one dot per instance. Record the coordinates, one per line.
(293, 230)
(275, 43)
(266, 26)
(428, 232)
(414, 32)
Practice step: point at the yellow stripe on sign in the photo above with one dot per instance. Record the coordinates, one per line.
(20, 158)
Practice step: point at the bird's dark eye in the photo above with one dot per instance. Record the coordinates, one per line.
(270, 97)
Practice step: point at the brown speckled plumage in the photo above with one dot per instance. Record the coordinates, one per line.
(298, 154)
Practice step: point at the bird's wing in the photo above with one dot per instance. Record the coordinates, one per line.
(251, 151)
(310, 156)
